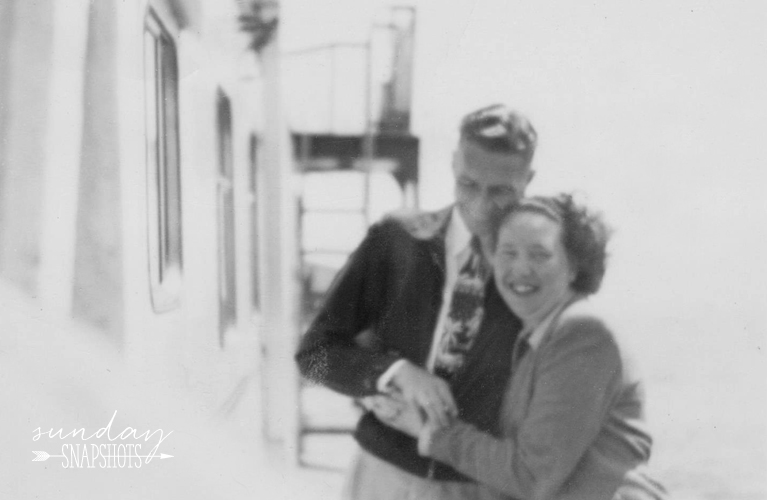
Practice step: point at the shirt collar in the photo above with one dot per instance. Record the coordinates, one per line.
(458, 235)
(534, 336)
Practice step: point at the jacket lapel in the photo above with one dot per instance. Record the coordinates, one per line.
(429, 231)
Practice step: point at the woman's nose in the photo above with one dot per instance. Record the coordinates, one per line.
(520, 268)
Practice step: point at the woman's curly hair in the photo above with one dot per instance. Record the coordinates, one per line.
(584, 236)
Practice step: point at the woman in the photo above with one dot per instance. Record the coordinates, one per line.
(571, 421)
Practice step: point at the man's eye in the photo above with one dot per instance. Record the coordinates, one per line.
(540, 256)
(504, 191)
(467, 183)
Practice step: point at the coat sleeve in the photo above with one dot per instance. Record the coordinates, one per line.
(577, 378)
(328, 353)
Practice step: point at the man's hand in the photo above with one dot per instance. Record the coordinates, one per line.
(395, 412)
(427, 392)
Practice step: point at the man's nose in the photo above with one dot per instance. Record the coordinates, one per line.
(487, 202)
(494, 201)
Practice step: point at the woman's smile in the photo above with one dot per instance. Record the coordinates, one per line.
(531, 265)
(523, 289)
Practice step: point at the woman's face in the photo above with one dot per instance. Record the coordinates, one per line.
(531, 266)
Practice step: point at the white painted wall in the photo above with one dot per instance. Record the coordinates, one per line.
(181, 346)
(166, 367)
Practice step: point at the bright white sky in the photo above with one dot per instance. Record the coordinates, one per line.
(655, 109)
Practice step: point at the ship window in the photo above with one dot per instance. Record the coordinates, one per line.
(227, 289)
(162, 164)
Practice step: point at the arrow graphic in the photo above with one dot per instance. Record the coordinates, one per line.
(42, 456)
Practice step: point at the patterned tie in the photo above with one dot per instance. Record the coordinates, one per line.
(465, 314)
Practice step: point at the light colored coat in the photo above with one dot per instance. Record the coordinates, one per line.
(571, 422)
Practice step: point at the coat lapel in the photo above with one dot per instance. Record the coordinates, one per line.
(428, 231)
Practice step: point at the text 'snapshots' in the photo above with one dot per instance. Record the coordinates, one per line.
(105, 448)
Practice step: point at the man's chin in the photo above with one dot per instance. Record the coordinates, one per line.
(482, 231)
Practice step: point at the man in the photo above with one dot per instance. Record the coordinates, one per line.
(438, 334)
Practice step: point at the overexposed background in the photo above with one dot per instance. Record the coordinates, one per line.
(655, 111)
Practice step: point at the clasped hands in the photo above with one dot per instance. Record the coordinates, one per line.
(417, 402)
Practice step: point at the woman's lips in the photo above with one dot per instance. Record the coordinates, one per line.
(522, 289)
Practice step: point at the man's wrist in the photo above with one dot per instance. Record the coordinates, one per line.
(425, 440)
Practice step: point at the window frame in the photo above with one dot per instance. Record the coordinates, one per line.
(163, 169)
(225, 208)
(256, 297)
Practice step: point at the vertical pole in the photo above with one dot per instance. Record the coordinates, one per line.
(305, 148)
(281, 266)
(368, 141)
(332, 104)
(62, 161)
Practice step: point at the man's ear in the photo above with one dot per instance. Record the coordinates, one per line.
(530, 176)
(456, 152)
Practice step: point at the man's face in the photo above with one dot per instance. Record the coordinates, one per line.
(487, 185)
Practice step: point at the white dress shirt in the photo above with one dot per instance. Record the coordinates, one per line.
(457, 250)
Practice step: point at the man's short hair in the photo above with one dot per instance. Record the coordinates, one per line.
(499, 129)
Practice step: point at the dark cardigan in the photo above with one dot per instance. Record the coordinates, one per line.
(392, 287)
